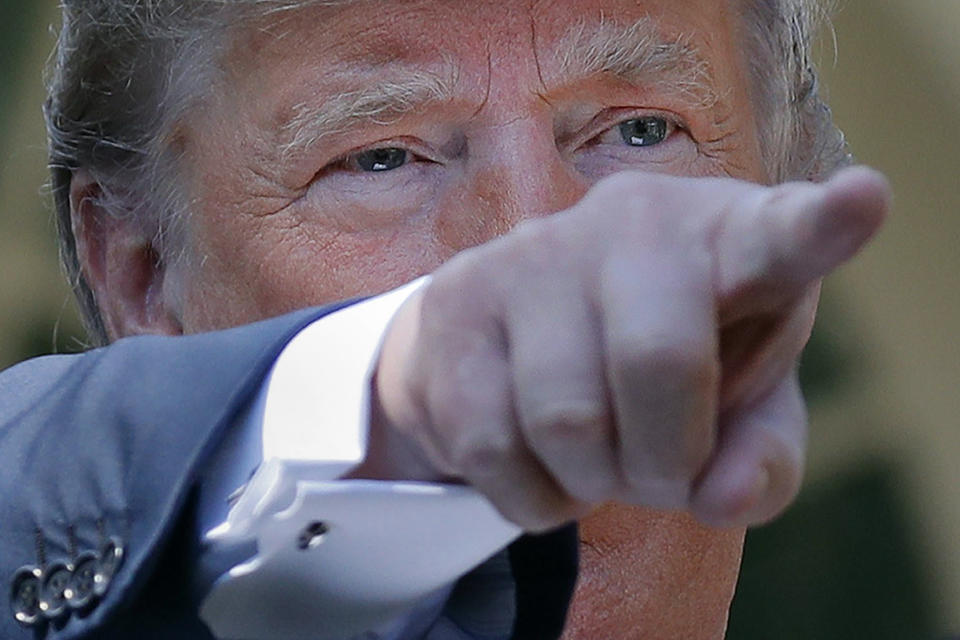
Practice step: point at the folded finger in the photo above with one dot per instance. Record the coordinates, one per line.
(560, 389)
(758, 465)
(662, 363)
(476, 435)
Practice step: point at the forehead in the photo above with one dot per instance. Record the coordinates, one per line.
(364, 16)
(336, 34)
(346, 58)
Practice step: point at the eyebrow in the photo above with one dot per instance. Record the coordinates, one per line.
(380, 99)
(637, 53)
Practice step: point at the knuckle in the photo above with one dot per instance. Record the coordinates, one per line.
(536, 250)
(447, 401)
(444, 295)
(567, 424)
(481, 455)
(462, 287)
(656, 490)
(666, 356)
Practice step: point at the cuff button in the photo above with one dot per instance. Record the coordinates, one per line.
(55, 591)
(83, 581)
(25, 596)
(111, 557)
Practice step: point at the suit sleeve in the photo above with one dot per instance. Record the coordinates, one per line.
(100, 460)
(99, 455)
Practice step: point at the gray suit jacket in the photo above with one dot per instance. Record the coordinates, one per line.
(99, 459)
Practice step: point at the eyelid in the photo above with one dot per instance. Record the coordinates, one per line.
(605, 121)
(417, 149)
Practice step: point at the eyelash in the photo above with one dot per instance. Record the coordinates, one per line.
(348, 161)
(607, 123)
(610, 122)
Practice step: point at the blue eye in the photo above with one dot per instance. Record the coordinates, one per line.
(378, 160)
(644, 132)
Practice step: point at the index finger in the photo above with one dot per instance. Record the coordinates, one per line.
(772, 243)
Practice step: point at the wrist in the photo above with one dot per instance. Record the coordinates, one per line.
(392, 451)
(391, 454)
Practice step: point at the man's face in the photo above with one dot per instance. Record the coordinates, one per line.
(349, 149)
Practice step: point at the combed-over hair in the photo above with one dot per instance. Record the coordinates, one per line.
(126, 71)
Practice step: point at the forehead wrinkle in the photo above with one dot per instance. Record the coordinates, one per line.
(638, 54)
(377, 99)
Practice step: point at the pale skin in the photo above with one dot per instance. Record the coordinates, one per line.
(600, 341)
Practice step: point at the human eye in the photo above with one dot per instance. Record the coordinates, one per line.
(632, 135)
(623, 139)
(386, 175)
(384, 157)
(377, 160)
(637, 131)
(646, 131)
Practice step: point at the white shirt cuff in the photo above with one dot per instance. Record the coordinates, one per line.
(376, 548)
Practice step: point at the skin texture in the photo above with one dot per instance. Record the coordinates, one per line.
(512, 171)
(635, 351)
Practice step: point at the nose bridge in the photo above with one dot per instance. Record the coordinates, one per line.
(514, 173)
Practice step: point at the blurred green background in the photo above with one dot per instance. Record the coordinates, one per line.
(871, 548)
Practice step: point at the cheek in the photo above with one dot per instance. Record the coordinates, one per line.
(353, 201)
(675, 157)
(281, 263)
(679, 155)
